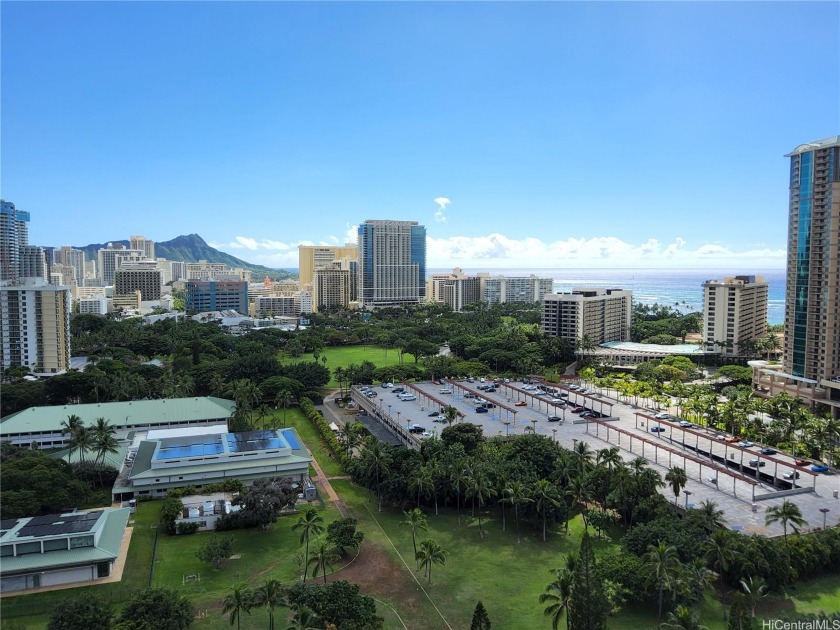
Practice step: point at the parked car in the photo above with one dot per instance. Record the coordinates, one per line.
(407, 397)
(469, 395)
(520, 403)
(802, 462)
(440, 419)
(470, 379)
(768, 451)
(557, 401)
(684, 424)
(563, 394)
(490, 389)
(791, 475)
(554, 419)
(489, 405)
(416, 428)
(578, 409)
(587, 414)
(821, 468)
(387, 385)
(398, 390)
(745, 444)
(657, 429)
(481, 409)
(731, 440)
(662, 416)
(446, 391)
(757, 463)
(432, 414)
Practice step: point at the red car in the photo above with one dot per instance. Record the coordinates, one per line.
(521, 403)
(578, 409)
(802, 462)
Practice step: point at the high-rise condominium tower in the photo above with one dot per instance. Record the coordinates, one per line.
(392, 263)
(812, 304)
(13, 236)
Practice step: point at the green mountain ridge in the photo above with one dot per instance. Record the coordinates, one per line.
(192, 248)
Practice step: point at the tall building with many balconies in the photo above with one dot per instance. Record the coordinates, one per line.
(602, 315)
(392, 263)
(143, 276)
(811, 358)
(35, 326)
(314, 257)
(14, 234)
(143, 244)
(734, 312)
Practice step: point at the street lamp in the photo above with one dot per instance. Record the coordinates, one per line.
(534, 422)
(398, 417)
(507, 427)
(554, 431)
(389, 411)
(825, 512)
(687, 494)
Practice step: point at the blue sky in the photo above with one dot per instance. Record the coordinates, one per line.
(562, 134)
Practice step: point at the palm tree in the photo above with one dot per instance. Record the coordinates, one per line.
(81, 439)
(375, 462)
(663, 563)
(422, 482)
(580, 493)
(459, 477)
(103, 440)
(719, 555)
(70, 426)
(416, 520)
(787, 512)
(430, 553)
(284, 400)
(683, 618)
(323, 555)
(239, 600)
(309, 525)
(677, 478)
(710, 515)
(451, 414)
(559, 593)
(754, 587)
(610, 457)
(479, 487)
(305, 619)
(516, 495)
(270, 594)
(545, 495)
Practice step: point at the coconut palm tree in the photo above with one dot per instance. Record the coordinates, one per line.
(754, 587)
(786, 513)
(719, 556)
(271, 595)
(305, 619)
(677, 479)
(102, 439)
(479, 487)
(459, 477)
(283, 399)
(430, 553)
(81, 439)
(559, 594)
(415, 520)
(323, 555)
(239, 600)
(580, 493)
(375, 461)
(70, 426)
(609, 457)
(309, 525)
(663, 563)
(451, 414)
(711, 517)
(516, 495)
(422, 482)
(545, 495)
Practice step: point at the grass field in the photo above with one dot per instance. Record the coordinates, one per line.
(347, 355)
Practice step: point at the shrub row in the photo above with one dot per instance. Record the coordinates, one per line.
(327, 434)
(228, 485)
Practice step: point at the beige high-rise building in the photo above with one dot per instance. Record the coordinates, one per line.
(312, 257)
(142, 276)
(111, 257)
(144, 245)
(35, 326)
(601, 314)
(331, 286)
(734, 311)
(811, 366)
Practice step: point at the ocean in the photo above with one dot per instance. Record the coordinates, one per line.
(679, 288)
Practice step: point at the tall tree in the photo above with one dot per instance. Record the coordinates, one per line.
(545, 496)
(787, 513)
(588, 606)
(516, 495)
(309, 525)
(415, 520)
(480, 489)
(677, 479)
(480, 618)
(558, 595)
(284, 400)
(239, 600)
(663, 563)
(85, 610)
(430, 553)
(323, 555)
(69, 427)
(271, 595)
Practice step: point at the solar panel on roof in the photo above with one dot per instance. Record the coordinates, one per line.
(254, 441)
(8, 523)
(291, 439)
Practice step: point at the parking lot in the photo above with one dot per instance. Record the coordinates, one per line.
(742, 494)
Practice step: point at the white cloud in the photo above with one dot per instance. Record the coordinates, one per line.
(442, 202)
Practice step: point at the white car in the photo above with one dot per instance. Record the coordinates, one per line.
(662, 416)
(407, 397)
(446, 391)
(745, 444)
(481, 380)
(387, 385)
(684, 424)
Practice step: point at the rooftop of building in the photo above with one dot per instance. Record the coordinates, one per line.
(109, 523)
(825, 143)
(133, 412)
(632, 347)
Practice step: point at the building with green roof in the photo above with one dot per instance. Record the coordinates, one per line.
(60, 548)
(42, 425)
(159, 461)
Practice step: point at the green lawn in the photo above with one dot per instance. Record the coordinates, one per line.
(295, 418)
(347, 355)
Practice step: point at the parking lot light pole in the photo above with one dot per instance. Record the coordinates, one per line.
(825, 512)
(534, 422)
(389, 411)
(554, 431)
(687, 494)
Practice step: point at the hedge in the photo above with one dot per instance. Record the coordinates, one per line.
(327, 435)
